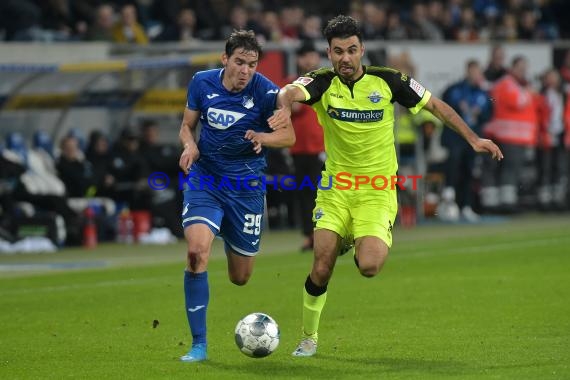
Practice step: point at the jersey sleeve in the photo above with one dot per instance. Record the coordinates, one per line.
(314, 84)
(407, 91)
(269, 95)
(193, 99)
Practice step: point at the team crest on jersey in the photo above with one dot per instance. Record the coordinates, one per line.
(375, 97)
(418, 88)
(247, 102)
(319, 213)
(303, 81)
(223, 119)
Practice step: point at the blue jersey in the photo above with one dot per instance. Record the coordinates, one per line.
(225, 117)
(472, 97)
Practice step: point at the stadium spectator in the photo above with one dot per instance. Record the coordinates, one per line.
(395, 30)
(528, 26)
(18, 18)
(508, 28)
(72, 168)
(58, 18)
(467, 30)
(239, 20)
(308, 151)
(421, 27)
(98, 154)
(552, 154)
(496, 67)
(102, 27)
(243, 100)
(184, 30)
(514, 126)
(270, 28)
(128, 29)
(374, 22)
(472, 103)
(311, 28)
(565, 72)
(442, 17)
(359, 143)
(162, 157)
(61, 20)
(291, 17)
(129, 172)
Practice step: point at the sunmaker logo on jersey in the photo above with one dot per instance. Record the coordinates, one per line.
(223, 119)
(357, 116)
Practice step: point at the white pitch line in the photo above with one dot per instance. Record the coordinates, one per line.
(295, 263)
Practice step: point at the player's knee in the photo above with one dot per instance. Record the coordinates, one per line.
(322, 272)
(239, 280)
(369, 269)
(197, 256)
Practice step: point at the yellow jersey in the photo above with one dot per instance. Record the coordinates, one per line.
(358, 117)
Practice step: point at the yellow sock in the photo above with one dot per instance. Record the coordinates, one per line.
(312, 307)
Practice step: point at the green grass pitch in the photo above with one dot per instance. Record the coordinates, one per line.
(452, 302)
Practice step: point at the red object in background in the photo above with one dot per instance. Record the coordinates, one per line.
(408, 216)
(272, 65)
(141, 223)
(89, 229)
(125, 227)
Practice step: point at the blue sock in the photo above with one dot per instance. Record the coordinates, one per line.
(197, 295)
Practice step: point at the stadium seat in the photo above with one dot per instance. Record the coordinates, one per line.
(15, 143)
(42, 140)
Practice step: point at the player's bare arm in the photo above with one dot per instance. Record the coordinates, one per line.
(280, 138)
(450, 118)
(187, 137)
(287, 96)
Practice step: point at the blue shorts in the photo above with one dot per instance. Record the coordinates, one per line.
(237, 218)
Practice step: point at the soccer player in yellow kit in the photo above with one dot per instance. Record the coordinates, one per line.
(355, 106)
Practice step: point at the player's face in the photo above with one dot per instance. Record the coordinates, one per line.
(345, 55)
(239, 68)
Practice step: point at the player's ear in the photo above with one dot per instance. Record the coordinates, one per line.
(224, 59)
(362, 51)
(329, 52)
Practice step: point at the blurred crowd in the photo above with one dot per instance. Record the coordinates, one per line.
(529, 119)
(147, 21)
(109, 179)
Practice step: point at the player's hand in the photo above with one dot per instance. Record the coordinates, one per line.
(256, 138)
(488, 146)
(281, 118)
(187, 158)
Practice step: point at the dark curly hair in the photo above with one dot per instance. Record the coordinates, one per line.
(342, 27)
(243, 39)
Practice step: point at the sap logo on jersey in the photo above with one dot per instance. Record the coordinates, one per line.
(223, 119)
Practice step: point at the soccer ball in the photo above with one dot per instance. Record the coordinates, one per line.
(257, 335)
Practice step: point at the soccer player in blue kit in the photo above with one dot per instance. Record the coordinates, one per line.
(233, 104)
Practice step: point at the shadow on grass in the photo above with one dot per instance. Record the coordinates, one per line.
(325, 366)
(396, 364)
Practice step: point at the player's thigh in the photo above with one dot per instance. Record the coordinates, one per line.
(332, 212)
(202, 216)
(242, 223)
(373, 214)
(240, 267)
